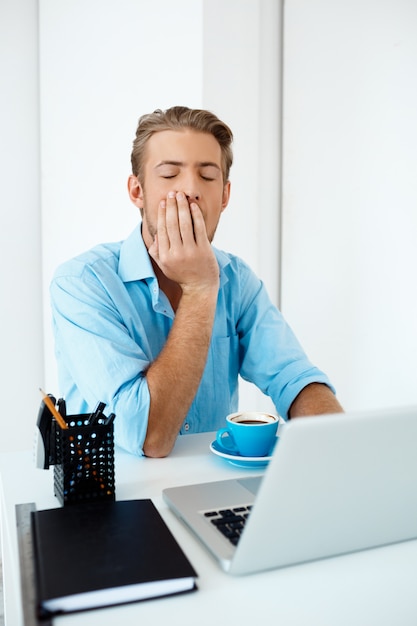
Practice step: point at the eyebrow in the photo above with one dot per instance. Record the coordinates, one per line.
(180, 163)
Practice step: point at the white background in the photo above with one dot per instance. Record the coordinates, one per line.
(76, 76)
(350, 193)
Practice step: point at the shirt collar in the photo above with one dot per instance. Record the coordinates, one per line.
(134, 261)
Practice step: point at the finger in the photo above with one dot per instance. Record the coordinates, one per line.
(171, 220)
(163, 239)
(154, 249)
(184, 219)
(199, 225)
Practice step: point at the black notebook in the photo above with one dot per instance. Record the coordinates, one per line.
(105, 553)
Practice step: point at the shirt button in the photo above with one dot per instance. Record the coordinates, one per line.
(186, 427)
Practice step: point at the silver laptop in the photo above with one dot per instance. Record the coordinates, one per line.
(335, 484)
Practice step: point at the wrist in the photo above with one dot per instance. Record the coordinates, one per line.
(199, 290)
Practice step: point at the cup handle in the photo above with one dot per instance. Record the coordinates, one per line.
(225, 439)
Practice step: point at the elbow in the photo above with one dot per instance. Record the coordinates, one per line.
(154, 453)
(156, 449)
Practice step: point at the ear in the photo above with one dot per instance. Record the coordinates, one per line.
(135, 191)
(226, 195)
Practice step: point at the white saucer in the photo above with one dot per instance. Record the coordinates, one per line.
(237, 459)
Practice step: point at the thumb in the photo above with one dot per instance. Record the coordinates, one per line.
(154, 249)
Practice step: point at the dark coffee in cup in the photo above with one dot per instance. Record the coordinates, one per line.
(250, 421)
(252, 417)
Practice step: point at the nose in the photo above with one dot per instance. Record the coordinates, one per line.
(190, 186)
(193, 197)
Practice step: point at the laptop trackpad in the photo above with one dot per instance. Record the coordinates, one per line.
(252, 483)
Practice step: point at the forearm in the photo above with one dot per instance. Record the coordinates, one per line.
(174, 377)
(315, 399)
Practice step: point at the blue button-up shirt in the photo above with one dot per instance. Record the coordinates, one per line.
(111, 320)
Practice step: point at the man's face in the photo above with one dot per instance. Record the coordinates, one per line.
(187, 161)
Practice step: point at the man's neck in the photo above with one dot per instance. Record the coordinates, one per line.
(171, 289)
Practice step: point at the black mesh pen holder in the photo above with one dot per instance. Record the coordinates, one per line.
(84, 461)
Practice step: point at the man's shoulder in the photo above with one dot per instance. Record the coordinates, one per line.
(230, 264)
(103, 257)
(226, 259)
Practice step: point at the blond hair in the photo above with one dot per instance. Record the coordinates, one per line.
(177, 118)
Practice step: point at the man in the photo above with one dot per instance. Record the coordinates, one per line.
(159, 326)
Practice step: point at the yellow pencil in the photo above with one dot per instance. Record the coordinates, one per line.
(57, 415)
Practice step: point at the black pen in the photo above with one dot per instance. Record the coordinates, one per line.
(96, 414)
(110, 419)
(62, 407)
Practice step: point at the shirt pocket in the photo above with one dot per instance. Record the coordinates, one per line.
(224, 353)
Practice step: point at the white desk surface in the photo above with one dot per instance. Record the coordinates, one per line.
(374, 587)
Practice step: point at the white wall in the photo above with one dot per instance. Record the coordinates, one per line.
(350, 193)
(101, 65)
(20, 243)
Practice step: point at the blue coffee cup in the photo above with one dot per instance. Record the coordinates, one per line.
(249, 433)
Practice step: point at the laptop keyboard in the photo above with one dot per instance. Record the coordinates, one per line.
(230, 522)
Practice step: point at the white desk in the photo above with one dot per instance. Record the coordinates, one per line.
(375, 587)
